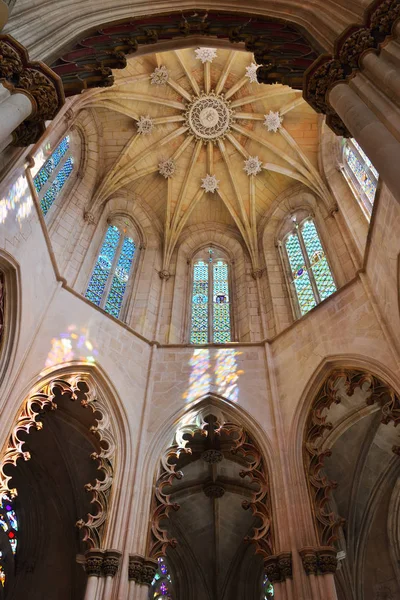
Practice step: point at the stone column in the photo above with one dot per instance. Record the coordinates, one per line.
(378, 143)
(111, 562)
(93, 568)
(13, 112)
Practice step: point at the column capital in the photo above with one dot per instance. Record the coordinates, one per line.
(135, 567)
(34, 79)
(319, 561)
(94, 562)
(111, 562)
(142, 569)
(278, 567)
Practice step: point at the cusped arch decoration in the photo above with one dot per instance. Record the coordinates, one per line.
(327, 522)
(75, 388)
(211, 427)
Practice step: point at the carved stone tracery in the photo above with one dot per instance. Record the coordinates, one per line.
(241, 445)
(320, 487)
(76, 389)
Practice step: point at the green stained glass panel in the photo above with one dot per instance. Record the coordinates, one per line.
(320, 268)
(199, 324)
(221, 304)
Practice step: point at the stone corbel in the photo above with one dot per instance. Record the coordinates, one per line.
(141, 569)
(164, 274)
(319, 561)
(257, 273)
(278, 567)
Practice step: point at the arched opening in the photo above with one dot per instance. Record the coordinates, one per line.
(352, 467)
(59, 490)
(214, 548)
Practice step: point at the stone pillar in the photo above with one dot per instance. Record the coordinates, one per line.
(35, 95)
(374, 138)
(141, 574)
(93, 568)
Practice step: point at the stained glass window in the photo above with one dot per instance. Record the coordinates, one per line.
(161, 586)
(9, 524)
(310, 275)
(110, 275)
(361, 173)
(53, 174)
(211, 309)
(268, 589)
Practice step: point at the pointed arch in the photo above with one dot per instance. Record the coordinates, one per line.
(10, 311)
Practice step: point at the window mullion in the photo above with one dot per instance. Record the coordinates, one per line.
(112, 270)
(308, 266)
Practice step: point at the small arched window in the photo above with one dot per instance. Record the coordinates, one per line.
(51, 172)
(110, 277)
(9, 526)
(310, 277)
(210, 300)
(161, 586)
(360, 173)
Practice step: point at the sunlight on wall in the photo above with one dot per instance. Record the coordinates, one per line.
(73, 345)
(220, 371)
(200, 378)
(227, 374)
(18, 200)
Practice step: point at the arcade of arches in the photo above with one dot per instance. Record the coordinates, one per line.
(199, 300)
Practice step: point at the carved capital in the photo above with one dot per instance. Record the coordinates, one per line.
(94, 562)
(112, 559)
(327, 561)
(285, 565)
(149, 570)
(37, 81)
(272, 569)
(309, 560)
(135, 568)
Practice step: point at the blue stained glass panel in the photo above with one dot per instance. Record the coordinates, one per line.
(199, 325)
(358, 167)
(103, 266)
(221, 305)
(120, 278)
(300, 276)
(51, 163)
(53, 191)
(320, 268)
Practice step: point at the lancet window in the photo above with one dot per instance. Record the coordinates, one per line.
(361, 174)
(310, 277)
(268, 589)
(51, 172)
(211, 319)
(161, 586)
(112, 272)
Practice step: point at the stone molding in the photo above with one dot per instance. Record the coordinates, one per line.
(318, 561)
(102, 563)
(329, 70)
(34, 79)
(278, 567)
(141, 569)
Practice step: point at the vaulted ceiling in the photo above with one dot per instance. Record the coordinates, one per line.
(198, 139)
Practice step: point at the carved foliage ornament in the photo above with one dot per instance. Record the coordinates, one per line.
(320, 487)
(142, 570)
(328, 70)
(278, 567)
(76, 389)
(319, 561)
(209, 117)
(37, 81)
(243, 446)
(102, 563)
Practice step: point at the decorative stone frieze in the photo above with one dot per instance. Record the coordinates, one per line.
(278, 567)
(350, 47)
(319, 561)
(34, 79)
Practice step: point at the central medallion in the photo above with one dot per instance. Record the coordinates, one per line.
(209, 117)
